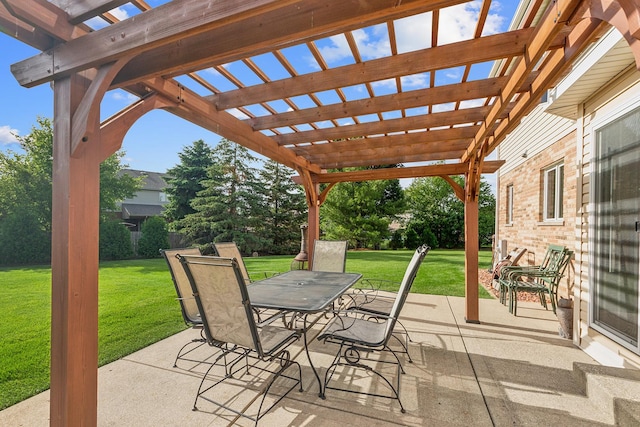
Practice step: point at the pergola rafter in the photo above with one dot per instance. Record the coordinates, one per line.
(234, 68)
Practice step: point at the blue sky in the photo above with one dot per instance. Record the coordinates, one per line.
(154, 141)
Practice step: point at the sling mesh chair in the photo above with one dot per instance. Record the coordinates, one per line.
(357, 336)
(223, 300)
(188, 307)
(230, 250)
(369, 300)
(329, 255)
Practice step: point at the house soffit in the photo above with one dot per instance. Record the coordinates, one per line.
(606, 59)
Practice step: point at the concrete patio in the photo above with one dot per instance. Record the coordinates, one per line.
(507, 370)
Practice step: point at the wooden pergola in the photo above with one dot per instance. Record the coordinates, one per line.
(166, 55)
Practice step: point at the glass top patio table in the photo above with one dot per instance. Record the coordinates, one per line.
(303, 291)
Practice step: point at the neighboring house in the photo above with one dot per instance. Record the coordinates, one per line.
(147, 202)
(572, 177)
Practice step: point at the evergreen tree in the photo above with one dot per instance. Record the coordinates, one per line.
(185, 180)
(286, 210)
(228, 208)
(362, 211)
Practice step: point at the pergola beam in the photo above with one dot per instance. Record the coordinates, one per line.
(390, 143)
(22, 31)
(447, 118)
(81, 11)
(467, 52)
(553, 22)
(398, 173)
(436, 95)
(194, 108)
(175, 25)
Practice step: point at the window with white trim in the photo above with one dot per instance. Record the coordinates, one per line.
(552, 192)
(509, 204)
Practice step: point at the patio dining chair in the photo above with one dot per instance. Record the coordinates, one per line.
(358, 337)
(223, 300)
(542, 280)
(369, 300)
(329, 255)
(230, 250)
(188, 307)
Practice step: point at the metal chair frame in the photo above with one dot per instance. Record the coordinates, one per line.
(356, 335)
(221, 294)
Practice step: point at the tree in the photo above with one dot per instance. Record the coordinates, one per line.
(155, 236)
(436, 210)
(228, 207)
(362, 211)
(486, 214)
(115, 186)
(285, 210)
(26, 182)
(186, 178)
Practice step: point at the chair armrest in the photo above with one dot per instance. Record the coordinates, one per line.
(539, 274)
(510, 270)
(262, 274)
(376, 284)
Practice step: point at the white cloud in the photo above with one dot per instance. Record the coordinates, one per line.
(8, 135)
(337, 50)
(388, 83)
(119, 13)
(415, 80)
(97, 23)
(237, 114)
(459, 22)
(449, 106)
(119, 95)
(413, 33)
(472, 103)
(456, 23)
(372, 43)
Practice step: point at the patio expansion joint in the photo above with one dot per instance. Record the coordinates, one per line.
(473, 368)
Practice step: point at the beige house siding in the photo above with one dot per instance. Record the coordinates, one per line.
(622, 93)
(535, 133)
(528, 230)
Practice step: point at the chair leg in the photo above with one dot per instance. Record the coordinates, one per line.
(553, 302)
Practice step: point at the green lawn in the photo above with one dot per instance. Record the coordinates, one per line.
(137, 307)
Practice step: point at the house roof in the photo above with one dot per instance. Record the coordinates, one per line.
(131, 210)
(153, 181)
(199, 61)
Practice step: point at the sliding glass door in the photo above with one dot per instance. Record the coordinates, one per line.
(616, 229)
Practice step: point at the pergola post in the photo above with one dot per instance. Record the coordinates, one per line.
(74, 265)
(471, 243)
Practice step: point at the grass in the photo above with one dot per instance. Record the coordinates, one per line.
(137, 307)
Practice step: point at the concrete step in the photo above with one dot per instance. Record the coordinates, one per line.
(614, 390)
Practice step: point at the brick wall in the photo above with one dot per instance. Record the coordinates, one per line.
(527, 229)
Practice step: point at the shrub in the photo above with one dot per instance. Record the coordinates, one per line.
(155, 236)
(115, 241)
(396, 240)
(23, 240)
